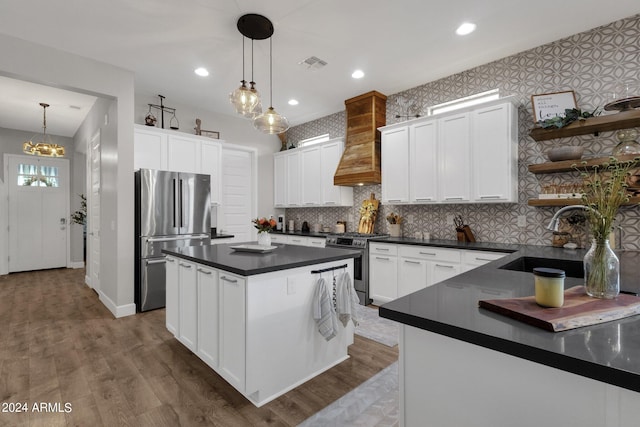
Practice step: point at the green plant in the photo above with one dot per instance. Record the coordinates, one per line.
(570, 116)
(80, 216)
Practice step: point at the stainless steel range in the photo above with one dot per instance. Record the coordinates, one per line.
(357, 241)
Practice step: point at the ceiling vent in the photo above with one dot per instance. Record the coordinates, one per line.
(313, 63)
(360, 162)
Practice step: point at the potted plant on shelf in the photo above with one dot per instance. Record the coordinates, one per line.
(394, 221)
(605, 190)
(264, 227)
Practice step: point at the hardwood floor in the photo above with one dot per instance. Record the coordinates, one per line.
(60, 346)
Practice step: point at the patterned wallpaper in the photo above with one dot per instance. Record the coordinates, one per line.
(589, 63)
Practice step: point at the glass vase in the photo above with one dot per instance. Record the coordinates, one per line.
(601, 270)
(264, 238)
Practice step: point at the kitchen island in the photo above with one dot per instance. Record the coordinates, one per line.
(461, 365)
(249, 316)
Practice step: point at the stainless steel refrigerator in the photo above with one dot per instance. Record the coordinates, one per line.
(172, 209)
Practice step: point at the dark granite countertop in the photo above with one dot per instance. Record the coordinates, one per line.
(453, 244)
(222, 236)
(248, 264)
(607, 352)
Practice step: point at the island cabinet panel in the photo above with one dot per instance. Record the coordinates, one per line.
(232, 329)
(187, 299)
(172, 311)
(208, 324)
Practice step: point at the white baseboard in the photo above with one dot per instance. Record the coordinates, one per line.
(76, 264)
(117, 311)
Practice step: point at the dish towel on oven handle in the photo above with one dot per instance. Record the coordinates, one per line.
(323, 311)
(346, 300)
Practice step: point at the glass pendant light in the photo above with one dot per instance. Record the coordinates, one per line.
(271, 122)
(245, 99)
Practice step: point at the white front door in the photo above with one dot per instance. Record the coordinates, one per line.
(38, 212)
(93, 205)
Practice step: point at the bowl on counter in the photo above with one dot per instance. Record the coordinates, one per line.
(570, 152)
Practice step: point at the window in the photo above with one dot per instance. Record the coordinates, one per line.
(315, 140)
(467, 101)
(37, 176)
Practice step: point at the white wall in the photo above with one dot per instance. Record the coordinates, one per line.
(23, 60)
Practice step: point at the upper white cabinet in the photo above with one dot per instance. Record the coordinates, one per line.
(303, 177)
(495, 154)
(149, 148)
(169, 150)
(466, 156)
(395, 165)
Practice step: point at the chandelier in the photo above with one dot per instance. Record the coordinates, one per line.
(246, 100)
(45, 147)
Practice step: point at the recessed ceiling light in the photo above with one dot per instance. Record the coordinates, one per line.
(357, 74)
(293, 102)
(202, 72)
(466, 28)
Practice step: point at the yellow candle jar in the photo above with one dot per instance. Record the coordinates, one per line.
(549, 284)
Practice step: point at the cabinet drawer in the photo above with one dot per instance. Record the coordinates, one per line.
(383, 249)
(430, 253)
(279, 238)
(297, 240)
(316, 242)
(480, 257)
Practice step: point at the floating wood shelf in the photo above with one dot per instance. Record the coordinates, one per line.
(610, 122)
(567, 165)
(565, 202)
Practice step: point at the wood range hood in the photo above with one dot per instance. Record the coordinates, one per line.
(360, 162)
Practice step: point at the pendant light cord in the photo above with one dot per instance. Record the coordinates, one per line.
(270, 72)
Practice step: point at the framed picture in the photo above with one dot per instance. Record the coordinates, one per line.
(210, 134)
(549, 105)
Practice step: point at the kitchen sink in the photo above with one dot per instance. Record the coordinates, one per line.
(527, 264)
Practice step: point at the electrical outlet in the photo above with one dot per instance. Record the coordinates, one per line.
(320, 218)
(522, 221)
(350, 218)
(410, 219)
(449, 219)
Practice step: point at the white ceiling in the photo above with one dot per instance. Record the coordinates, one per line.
(398, 44)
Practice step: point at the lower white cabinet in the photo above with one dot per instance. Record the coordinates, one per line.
(292, 239)
(187, 299)
(208, 325)
(172, 298)
(396, 270)
(383, 272)
(232, 329)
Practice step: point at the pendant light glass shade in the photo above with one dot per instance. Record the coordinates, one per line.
(244, 99)
(45, 147)
(271, 122)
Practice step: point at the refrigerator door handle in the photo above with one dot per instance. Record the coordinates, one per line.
(174, 203)
(181, 204)
(179, 237)
(155, 261)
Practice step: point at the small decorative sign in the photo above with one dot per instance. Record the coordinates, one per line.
(549, 105)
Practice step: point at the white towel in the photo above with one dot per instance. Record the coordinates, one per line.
(323, 312)
(346, 300)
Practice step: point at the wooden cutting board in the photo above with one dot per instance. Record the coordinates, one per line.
(579, 310)
(367, 223)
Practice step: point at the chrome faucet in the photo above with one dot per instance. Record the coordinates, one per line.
(553, 225)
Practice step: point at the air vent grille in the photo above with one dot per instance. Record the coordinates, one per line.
(313, 63)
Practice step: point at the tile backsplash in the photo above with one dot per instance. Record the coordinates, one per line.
(589, 63)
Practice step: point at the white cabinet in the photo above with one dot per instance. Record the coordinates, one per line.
(184, 153)
(279, 180)
(494, 152)
(473, 259)
(423, 167)
(279, 238)
(317, 242)
(333, 195)
(442, 270)
(297, 240)
(211, 164)
(149, 149)
(207, 313)
(311, 176)
(412, 275)
(292, 167)
(454, 158)
(232, 329)
(466, 156)
(383, 272)
(395, 165)
(172, 309)
(304, 176)
(187, 299)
